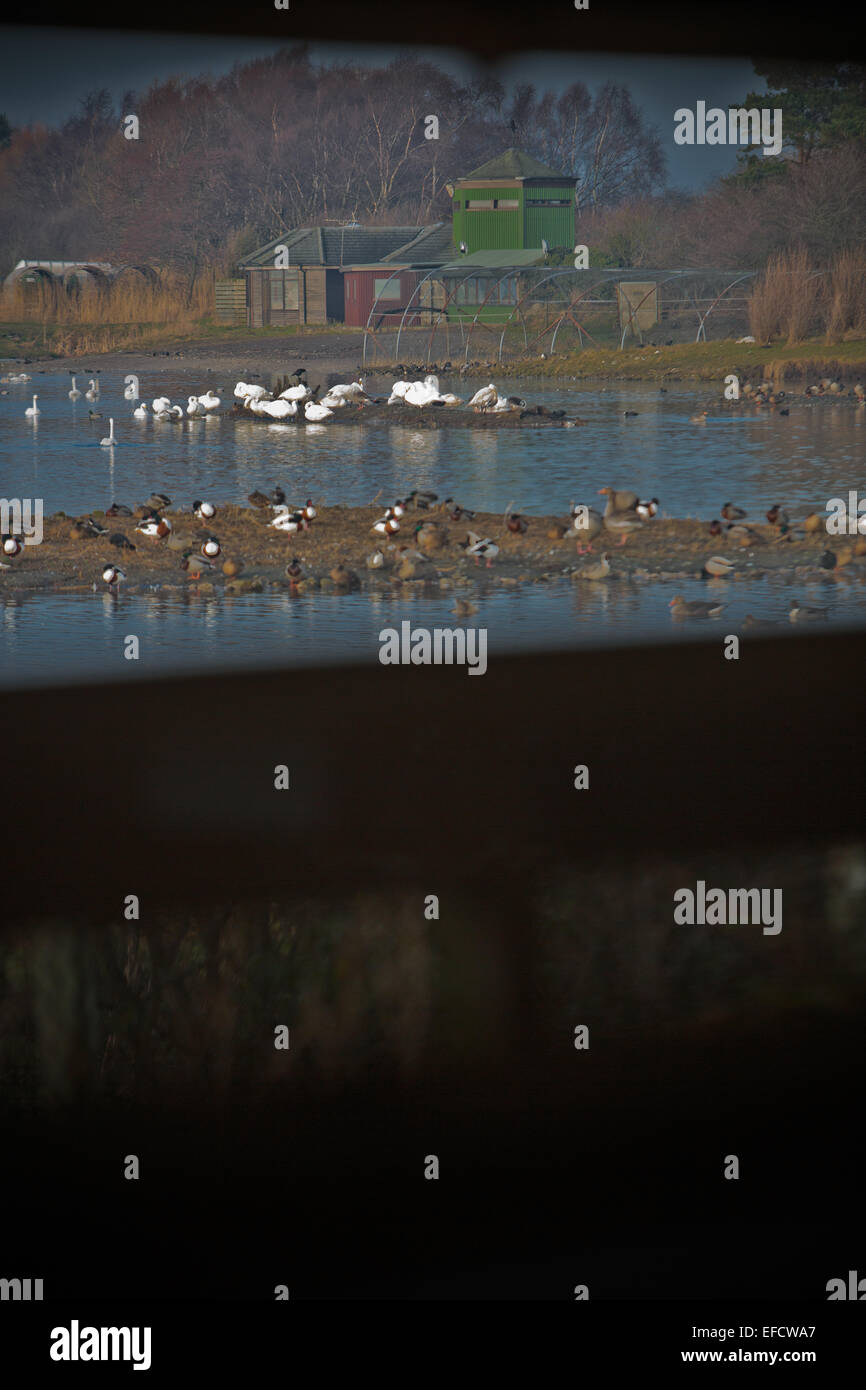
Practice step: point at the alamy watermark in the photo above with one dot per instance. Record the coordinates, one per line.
(439, 646)
(736, 126)
(22, 516)
(720, 907)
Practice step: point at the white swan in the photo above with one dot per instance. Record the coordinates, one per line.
(74, 393)
(422, 393)
(278, 410)
(194, 406)
(331, 402)
(295, 393)
(315, 412)
(176, 412)
(353, 392)
(140, 412)
(109, 438)
(398, 391)
(210, 401)
(92, 392)
(33, 410)
(161, 414)
(487, 396)
(250, 393)
(160, 403)
(130, 392)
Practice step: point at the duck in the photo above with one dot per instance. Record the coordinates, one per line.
(398, 509)
(194, 564)
(210, 548)
(109, 441)
(813, 522)
(485, 398)
(194, 406)
(386, 526)
(629, 414)
(113, 575)
(647, 510)
(715, 527)
(118, 509)
(344, 578)
(695, 608)
(155, 526)
(92, 392)
(120, 541)
(599, 570)
(33, 410)
(91, 527)
(429, 536)
(421, 501)
(752, 622)
(294, 569)
(158, 501)
(12, 545)
(799, 613)
(480, 547)
(618, 501)
(94, 415)
(828, 560)
(376, 561)
(140, 412)
(258, 499)
(718, 566)
(517, 524)
(743, 535)
(74, 393)
(315, 413)
(776, 516)
(210, 401)
(700, 418)
(509, 403)
(278, 499)
(309, 510)
(205, 511)
(290, 521)
(464, 608)
(732, 513)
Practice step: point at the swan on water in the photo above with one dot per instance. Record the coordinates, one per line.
(92, 392)
(109, 438)
(74, 393)
(194, 406)
(140, 412)
(33, 410)
(315, 412)
(210, 401)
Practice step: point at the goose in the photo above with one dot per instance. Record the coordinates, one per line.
(315, 412)
(194, 406)
(204, 510)
(33, 410)
(92, 392)
(160, 403)
(109, 439)
(210, 401)
(113, 576)
(74, 394)
(295, 393)
(487, 396)
(618, 501)
(695, 608)
(588, 525)
(140, 412)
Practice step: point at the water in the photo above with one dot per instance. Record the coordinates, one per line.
(69, 638)
(754, 459)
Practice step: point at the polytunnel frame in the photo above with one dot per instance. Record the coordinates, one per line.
(657, 285)
(554, 275)
(448, 299)
(367, 329)
(406, 310)
(495, 286)
(703, 318)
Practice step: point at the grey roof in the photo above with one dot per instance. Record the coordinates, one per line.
(515, 164)
(337, 246)
(431, 246)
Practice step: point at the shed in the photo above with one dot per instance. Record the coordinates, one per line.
(307, 284)
(513, 202)
(401, 283)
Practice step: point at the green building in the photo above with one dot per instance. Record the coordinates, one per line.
(513, 203)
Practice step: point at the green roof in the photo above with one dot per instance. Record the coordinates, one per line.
(514, 164)
(494, 260)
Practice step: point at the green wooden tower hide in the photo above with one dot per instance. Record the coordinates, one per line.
(512, 203)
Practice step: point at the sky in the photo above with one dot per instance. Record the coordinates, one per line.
(45, 72)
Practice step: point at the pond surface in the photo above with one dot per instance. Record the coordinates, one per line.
(754, 459)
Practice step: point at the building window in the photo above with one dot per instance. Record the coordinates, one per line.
(477, 203)
(387, 289)
(284, 290)
(506, 204)
(549, 202)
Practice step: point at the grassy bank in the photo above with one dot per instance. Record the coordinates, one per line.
(706, 362)
(23, 341)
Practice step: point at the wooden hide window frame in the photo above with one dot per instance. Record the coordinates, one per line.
(284, 289)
